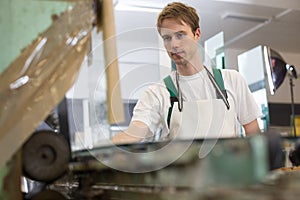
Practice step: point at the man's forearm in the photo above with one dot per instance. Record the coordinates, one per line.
(252, 128)
(136, 132)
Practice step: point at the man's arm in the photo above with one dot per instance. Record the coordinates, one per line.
(136, 132)
(251, 128)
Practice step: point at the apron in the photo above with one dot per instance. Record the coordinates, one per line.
(208, 118)
(202, 119)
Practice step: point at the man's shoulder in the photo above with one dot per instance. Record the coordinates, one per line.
(171, 74)
(230, 74)
(157, 88)
(232, 77)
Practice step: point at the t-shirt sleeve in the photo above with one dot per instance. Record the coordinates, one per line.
(150, 108)
(247, 108)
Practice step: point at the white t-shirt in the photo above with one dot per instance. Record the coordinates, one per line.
(153, 106)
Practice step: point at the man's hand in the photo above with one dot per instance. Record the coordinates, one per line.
(136, 132)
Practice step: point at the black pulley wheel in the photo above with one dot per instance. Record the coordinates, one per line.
(48, 195)
(45, 156)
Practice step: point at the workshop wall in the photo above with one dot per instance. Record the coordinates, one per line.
(282, 95)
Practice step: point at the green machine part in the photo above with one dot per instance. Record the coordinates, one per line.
(10, 179)
(21, 21)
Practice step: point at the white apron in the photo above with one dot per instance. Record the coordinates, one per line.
(203, 119)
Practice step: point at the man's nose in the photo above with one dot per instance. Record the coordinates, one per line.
(175, 43)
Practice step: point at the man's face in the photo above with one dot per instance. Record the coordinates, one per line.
(179, 40)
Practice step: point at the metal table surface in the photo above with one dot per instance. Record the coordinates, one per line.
(232, 169)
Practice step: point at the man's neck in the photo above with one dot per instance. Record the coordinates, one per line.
(190, 68)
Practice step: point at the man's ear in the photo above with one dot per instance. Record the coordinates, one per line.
(197, 33)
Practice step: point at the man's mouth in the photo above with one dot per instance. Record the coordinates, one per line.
(177, 54)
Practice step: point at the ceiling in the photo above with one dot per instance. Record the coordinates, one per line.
(245, 23)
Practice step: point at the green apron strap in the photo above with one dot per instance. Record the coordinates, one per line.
(219, 79)
(173, 95)
(170, 86)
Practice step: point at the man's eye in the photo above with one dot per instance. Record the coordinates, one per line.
(167, 38)
(179, 35)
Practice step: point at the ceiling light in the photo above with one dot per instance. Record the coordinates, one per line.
(136, 8)
(244, 17)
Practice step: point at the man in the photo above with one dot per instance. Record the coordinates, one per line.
(201, 107)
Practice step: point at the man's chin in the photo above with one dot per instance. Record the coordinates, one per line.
(179, 61)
